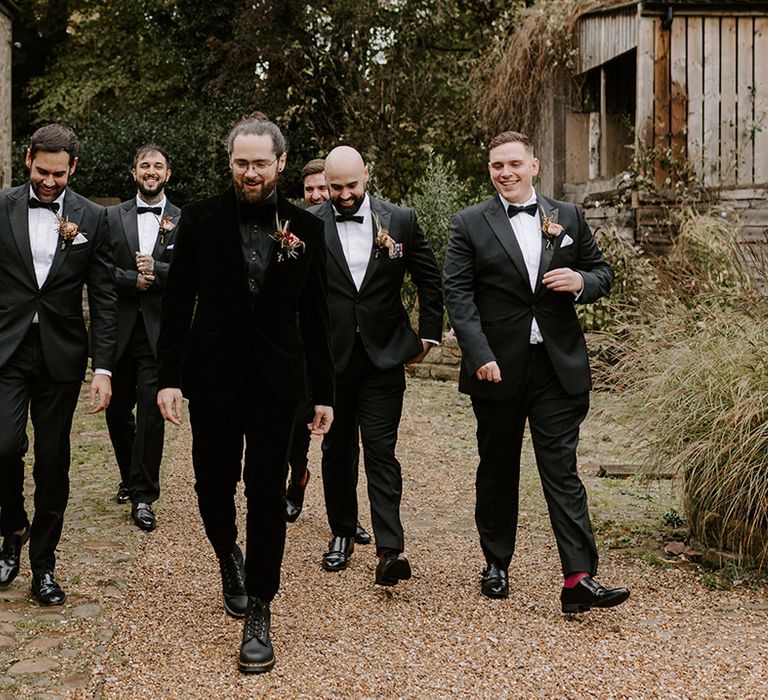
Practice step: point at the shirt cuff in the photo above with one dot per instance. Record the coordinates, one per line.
(429, 340)
(581, 291)
(103, 371)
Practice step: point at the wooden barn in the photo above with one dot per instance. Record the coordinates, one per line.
(6, 9)
(681, 83)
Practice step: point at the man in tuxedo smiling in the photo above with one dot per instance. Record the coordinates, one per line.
(515, 266)
(52, 241)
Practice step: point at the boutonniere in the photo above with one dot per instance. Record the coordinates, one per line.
(290, 244)
(384, 241)
(550, 229)
(166, 226)
(67, 230)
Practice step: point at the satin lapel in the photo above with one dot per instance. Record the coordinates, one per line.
(73, 212)
(333, 242)
(18, 214)
(384, 216)
(130, 226)
(230, 244)
(164, 237)
(546, 209)
(498, 220)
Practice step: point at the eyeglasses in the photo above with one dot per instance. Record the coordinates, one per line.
(260, 166)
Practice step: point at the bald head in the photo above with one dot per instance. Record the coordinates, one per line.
(346, 175)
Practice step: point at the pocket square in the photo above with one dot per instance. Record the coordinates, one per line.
(169, 247)
(567, 240)
(79, 239)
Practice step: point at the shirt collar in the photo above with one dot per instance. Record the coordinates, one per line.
(59, 199)
(141, 203)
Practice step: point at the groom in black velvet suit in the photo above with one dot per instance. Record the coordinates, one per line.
(52, 242)
(515, 266)
(246, 293)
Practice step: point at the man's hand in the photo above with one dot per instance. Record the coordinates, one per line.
(322, 422)
(145, 263)
(489, 372)
(169, 403)
(101, 393)
(563, 279)
(425, 348)
(144, 282)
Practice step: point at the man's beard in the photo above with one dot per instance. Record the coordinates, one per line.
(146, 192)
(350, 208)
(255, 196)
(49, 197)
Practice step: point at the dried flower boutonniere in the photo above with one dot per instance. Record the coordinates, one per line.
(67, 230)
(384, 241)
(290, 244)
(550, 228)
(166, 226)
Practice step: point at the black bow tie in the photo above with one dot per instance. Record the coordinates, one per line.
(37, 204)
(149, 210)
(350, 217)
(513, 209)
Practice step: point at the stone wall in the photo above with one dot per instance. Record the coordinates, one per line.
(442, 363)
(5, 99)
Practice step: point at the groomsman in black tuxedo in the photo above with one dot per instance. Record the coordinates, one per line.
(515, 266)
(371, 245)
(52, 241)
(143, 233)
(245, 294)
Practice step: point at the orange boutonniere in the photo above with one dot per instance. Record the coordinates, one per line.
(67, 230)
(384, 241)
(290, 244)
(166, 226)
(550, 229)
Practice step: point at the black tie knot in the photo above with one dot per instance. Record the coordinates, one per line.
(514, 209)
(149, 210)
(37, 204)
(350, 217)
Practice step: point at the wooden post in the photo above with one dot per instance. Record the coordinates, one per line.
(696, 94)
(761, 100)
(711, 101)
(679, 93)
(661, 114)
(745, 93)
(603, 165)
(728, 125)
(644, 98)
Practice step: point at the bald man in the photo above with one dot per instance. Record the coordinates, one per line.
(371, 245)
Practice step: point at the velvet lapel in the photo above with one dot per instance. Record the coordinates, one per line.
(497, 219)
(230, 243)
(73, 212)
(328, 214)
(384, 216)
(128, 218)
(546, 209)
(18, 208)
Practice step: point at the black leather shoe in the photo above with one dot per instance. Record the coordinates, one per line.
(122, 494)
(10, 556)
(339, 550)
(233, 583)
(294, 498)
(46, 590)
(362, 536)
(256, 653)
(144, 516)
(392, 567)
(495, 581)
(588, 593)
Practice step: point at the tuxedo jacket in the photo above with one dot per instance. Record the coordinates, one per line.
(491, 305)
(214, 333)
(376, 311)
(131, 302)
(86, 259)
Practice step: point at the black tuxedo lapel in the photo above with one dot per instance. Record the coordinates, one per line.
(384, 216)
(130, 222)
(18, 212)
(498, 220)
(164, 237)
(73, 212)
(546, 209)
(332, 240)
(231, 245)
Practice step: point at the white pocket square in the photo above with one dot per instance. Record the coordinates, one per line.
(567, 240)
(79, 239)
(169, 247)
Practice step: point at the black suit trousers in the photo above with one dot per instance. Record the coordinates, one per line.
(263, 423)
(26, 386)
(554, 418)
(138, 442)
(373, 399)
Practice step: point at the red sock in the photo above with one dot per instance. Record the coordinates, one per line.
(383, 551)
(572, 579)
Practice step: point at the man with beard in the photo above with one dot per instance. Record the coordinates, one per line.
(143, 236)
(52, 241)
(246, 293)
(371, 245)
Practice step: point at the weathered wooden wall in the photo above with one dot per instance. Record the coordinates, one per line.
(5, 99)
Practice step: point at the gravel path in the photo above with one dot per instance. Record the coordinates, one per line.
(336, 635)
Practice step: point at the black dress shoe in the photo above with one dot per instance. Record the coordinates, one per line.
(588, 593)
(122, 494)
(339, 550)
(362, 536)
(10, 556)
(46, 590)
(392, 567)
(233, 583)
(144, 516)
(495, 581)
(294, 498)
(256, 653)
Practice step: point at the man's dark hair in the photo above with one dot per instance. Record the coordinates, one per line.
(510, 137)
(150, 148)
(256, 124)
(54, 138)
(314, 167)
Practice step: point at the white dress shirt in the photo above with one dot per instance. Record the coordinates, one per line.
(43, 238)
(357, 241)
(149, 225)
